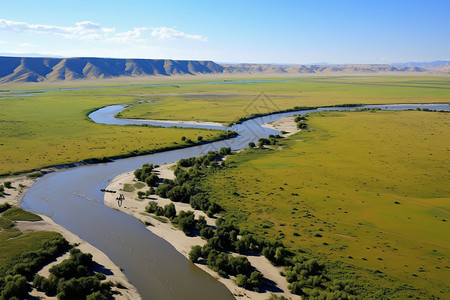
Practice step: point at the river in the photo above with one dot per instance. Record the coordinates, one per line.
(72, 198)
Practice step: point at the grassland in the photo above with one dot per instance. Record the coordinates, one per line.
(227, 103)
(366, 188)
(52, 128)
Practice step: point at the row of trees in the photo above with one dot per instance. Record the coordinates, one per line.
(185, 220)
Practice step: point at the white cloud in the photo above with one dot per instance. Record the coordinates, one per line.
(87, 30)
(27, 45)
(166, 33)
(3, 42)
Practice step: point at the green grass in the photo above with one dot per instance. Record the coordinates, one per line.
(52, 128)
(333, 190)
(227, 103)
(18, 214)
(139, 185)
(128, 188)
(160, 219)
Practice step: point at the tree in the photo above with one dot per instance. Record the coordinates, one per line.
(195, 253)
(206, 233)
(7, 184)
(177, 194)
(170, 211)
(251, 145)
(186, 221)
(241, 280)
(163, 189)
(302, 125)
(151, 207)
(152, 179)
(199, 138)
(255, 279)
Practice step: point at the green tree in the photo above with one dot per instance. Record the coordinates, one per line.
(170, 211)
(195, 253)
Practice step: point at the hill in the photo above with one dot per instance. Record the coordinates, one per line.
(39, 69)
(319, 69)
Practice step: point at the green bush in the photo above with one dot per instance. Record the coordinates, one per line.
(195, 253)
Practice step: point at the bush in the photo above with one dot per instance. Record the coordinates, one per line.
(151, 207)
(14, 286)
(151, 180)
(170, 211)
(206, 233)
(241, 280)
(195, 253)
(185, 221)
(7, 184)
(4, 207)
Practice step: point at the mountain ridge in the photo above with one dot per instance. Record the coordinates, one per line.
(40, 69)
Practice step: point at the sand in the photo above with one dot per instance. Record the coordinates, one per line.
(286, 124)
(182, 243)
(14, 196)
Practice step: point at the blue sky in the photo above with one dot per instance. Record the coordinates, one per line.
(283, 31)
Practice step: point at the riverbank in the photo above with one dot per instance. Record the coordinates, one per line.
(134, 206)
(20, 184)
(286, 125)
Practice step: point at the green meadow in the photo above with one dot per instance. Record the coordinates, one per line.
(226, 103)
(370, 189)
(52, 128)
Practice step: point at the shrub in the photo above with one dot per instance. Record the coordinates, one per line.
(195, 253)
(206, 233)
(151, 207)
(241, 280)
(170, 211)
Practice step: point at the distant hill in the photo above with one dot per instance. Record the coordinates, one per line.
(317, 69)
(431, 64)
(439, 66)
(39, 69)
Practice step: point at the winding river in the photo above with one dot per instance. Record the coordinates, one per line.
(72, 198)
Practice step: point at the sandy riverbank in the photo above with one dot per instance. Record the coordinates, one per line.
(182, 243)
(14, 195)
(286, 124)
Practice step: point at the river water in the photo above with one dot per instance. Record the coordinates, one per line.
(72, 198)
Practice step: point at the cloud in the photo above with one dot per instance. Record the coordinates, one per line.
(166, 33)
(27, 45)
(3, 42)
(87, 30)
